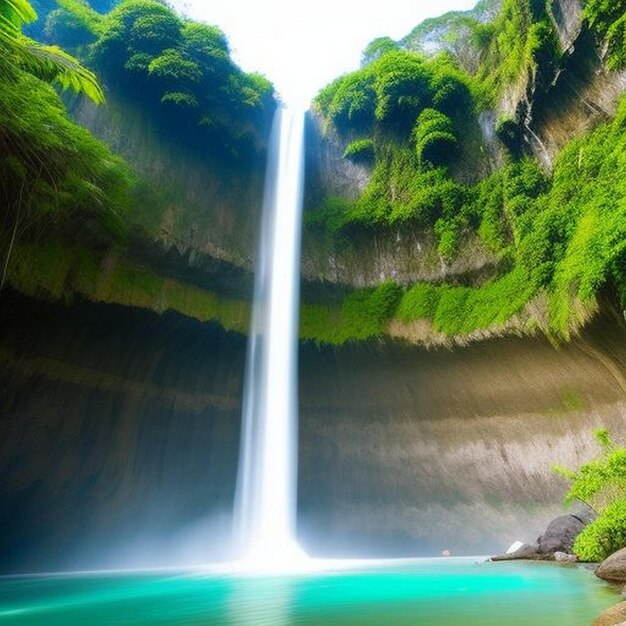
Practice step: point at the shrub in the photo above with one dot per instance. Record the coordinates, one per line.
(158, 58)
(434, 136)
(360, 151)
(601, 484)
(604, 536)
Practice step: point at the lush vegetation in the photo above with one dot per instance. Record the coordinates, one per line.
(69, 202)
(180, 71)
(50, 63)
(608, 19)
(57, 270)
(560, 238)
(519, 43)
(55, 175)
(601, 484)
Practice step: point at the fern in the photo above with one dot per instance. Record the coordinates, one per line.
(49, 63)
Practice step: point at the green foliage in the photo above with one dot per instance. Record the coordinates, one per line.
(69, 27)
(349, 102)
(56, 177)
(365, 311)
(402, 89)
(608, 19)
(391, 91)
(521, 39)
(419, 302)
(50, 63)
(360, 151)
(56, 270)
(362, 316)
(52, 168)
(601, 484)
(562, 237)
(376, 48)
(603, 536)
(434, 136)
(181, 71)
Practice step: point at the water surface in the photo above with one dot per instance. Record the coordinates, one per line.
(426, 593)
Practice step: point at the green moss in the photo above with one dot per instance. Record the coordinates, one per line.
(360, 151)
(54, 270)
(419, 302)
(363, 315)
(608, 19)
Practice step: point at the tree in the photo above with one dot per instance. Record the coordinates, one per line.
(49, 63)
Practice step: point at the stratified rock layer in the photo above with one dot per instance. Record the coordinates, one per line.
(119, 438)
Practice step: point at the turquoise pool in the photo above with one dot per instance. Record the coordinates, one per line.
(433, 592)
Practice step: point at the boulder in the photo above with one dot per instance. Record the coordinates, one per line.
(560, 535)
(613, 569)
(558, 538)
(563, 557)
(615, 616)
(526, 552)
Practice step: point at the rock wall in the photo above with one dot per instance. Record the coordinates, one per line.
(189, 202)
(119, 438)
(406, 254)
(406, 450)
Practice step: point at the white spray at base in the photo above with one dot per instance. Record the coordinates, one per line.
(265, 506)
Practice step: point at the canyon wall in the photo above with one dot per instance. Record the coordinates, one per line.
(120, 438)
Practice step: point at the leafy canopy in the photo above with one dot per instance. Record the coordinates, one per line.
(179, 70)
(50, 63)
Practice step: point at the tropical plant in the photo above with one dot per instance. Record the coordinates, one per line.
(49, 63)
(601, 485)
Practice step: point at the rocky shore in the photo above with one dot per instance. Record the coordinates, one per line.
(556, 544)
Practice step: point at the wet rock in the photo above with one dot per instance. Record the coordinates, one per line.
(561, 534)
(614, 616)
(613, 569)
(558, 539)
(563, 557)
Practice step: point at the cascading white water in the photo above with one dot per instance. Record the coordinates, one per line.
(265, 507)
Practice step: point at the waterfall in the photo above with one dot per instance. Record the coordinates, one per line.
(265, 507)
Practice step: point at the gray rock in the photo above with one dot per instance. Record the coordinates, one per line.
(560, 535)
(584, 513)
(563, 557)
(558, 539)
(614, 568)
(615, 616)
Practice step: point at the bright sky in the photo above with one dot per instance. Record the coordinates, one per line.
(302, 46)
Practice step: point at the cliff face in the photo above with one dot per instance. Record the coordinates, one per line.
(120, 438)
(189, 202)
(451, 450)
(555, 105)
(404, 254)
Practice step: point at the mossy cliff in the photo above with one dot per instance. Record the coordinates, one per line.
(120, 433)
(432, 219)
(466, 181)
(155, 205)
(490, 196)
